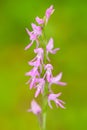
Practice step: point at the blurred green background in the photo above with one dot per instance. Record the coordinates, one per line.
(68, 27)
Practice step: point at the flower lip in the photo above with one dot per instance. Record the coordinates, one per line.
(54, 97)
(56, 80)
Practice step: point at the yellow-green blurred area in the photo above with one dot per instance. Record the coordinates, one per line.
(68, 27)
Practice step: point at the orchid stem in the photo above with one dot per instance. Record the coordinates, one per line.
(44, 114)
(44, 97)
(44, 121)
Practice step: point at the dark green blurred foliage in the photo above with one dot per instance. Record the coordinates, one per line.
(68, 27)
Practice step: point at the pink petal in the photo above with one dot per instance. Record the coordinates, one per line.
(28, 46)
(32, 83)
(49, 103)
(29, 33)
(49, 76)
(37, 92)
(62, 83)
(50, 44)
(59, 103)
(39, 20)
(58, 77)
(49, 12)
(54, 50)
(54, 96)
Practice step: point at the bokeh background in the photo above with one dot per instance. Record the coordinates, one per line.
(68, 27)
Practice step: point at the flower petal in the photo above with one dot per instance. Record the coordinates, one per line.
(28, 46)
(39, 20)
(50, 44)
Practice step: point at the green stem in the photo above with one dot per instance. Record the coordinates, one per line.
(44, 97)
(44, 121)
(44, 114)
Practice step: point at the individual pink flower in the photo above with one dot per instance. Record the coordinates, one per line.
(50, 47)
(39, 20)
(40, 87)
(33, 73)
(54, 97)
(48, 73)
(49, 12)
(35, 108)
(33, 37)
(37, 29)
(38, 60)
(56, 80)
(32, 82)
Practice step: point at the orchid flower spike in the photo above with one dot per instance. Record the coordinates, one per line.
(54, 97)
(40, 76)
(35, 108)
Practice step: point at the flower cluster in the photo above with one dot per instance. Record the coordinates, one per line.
(41, 77)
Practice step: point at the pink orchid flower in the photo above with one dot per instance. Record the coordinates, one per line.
(56, 80)
(49, 12)
(35, 108)
(33, 73)
(40, 87)
(33, 37)
(54, 97)
(39, 20)
(37, 29)
(50, 47)
(48, 73)
(38, 60)
(32, 82)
